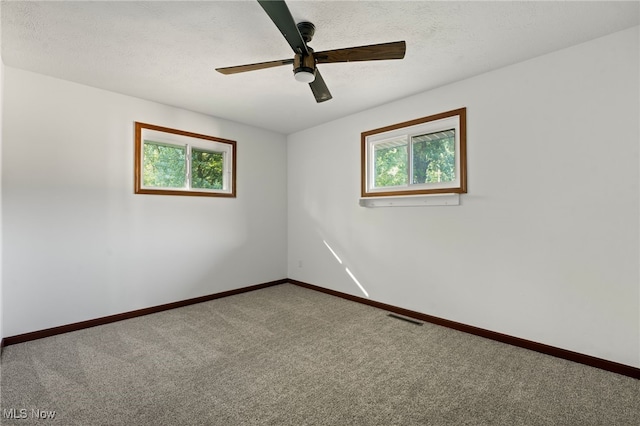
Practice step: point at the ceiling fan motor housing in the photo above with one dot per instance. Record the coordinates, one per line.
(307, 30)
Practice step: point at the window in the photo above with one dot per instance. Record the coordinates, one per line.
(174, 162)
(422, 156)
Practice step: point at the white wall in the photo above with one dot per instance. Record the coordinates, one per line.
(79, 244)
(545, 246)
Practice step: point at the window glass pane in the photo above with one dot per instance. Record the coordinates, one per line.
(206, 169)
(164, 165)
(391, 163)
(434, 157)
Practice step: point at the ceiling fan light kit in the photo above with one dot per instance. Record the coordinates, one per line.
(304, 75)
(304, 67)
(305, 59)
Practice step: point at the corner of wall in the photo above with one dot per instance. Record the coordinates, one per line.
(1, 115)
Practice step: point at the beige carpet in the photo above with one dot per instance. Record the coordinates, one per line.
(286, 355)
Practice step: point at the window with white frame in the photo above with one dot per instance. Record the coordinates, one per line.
(422, 156)
(175, 162)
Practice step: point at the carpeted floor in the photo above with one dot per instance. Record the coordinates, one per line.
(286, 355)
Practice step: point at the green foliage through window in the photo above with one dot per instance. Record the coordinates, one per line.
(391, 165)
(433, 160)
(434, 157)
(206, 169)
(164, 165)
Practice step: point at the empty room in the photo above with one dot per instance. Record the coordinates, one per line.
(320, 213)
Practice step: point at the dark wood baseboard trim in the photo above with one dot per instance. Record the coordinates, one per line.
(20, 338)
(603, 364)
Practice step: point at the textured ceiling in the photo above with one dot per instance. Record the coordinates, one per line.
(167, 51)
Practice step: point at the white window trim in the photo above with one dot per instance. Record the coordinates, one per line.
(455, 119)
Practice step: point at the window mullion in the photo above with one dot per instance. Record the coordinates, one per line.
(409, 160)
(188, 167)
(372, 165)
(227, 168)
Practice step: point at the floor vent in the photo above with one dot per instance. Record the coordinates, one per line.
(412, 321)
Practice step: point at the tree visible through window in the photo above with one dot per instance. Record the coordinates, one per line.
(206, 169)
(164, 165)
(434, 157)
(391, 163)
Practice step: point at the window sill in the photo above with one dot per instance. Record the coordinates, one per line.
(412, 201)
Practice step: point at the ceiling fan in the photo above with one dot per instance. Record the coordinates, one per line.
(305, 59)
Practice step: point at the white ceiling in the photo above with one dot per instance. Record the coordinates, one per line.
(167, 51)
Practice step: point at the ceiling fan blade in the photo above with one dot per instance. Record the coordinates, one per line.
(281, 16)
(320, 89)
(374, 52)
(253, 67)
